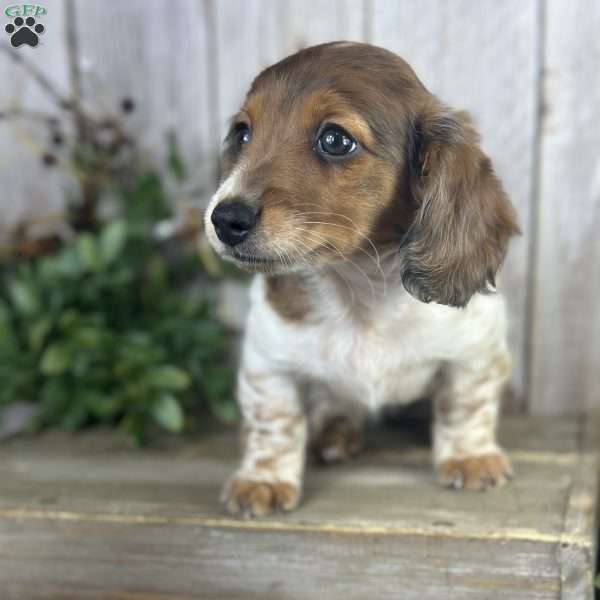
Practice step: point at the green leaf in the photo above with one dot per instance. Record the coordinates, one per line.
(4, 312)
(89, 337)
(101, 406)
(174, 160)
(87, 250)
(218, 386)
(38, 333)
(156, 274)
(112, 241)
(169, 377)
(55, 397)
(81, 363)
(47, 269)
(225, 409)
(69, 319)
(167, 413)
(24, 298)
(218, 381)
(74, 417)
(56, 359)
(68, 262)
(597, 581)
(145, 201)
(135, 425)
(6, 328)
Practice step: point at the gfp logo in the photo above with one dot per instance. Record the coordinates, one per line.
(24, 30)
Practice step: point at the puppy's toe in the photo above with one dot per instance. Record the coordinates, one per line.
(476, 473)
(337, 441)
(251, 498)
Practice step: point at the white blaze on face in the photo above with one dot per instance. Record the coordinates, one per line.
(229, 189)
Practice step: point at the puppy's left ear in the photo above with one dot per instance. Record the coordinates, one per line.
(463, 219)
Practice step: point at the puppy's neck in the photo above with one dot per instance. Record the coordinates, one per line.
(361, 283)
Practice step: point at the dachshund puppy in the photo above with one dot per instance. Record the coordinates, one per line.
(375, 225)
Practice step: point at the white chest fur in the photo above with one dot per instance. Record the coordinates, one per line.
(384, 350)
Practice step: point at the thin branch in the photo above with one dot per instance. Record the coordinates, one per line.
(26, 113)
(39, 77)
(72, 47)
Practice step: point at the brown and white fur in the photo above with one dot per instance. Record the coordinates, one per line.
(375, 271)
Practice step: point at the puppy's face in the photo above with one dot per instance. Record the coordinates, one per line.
(332, 155)
(309, 168)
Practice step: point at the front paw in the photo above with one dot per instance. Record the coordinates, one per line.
(251, 498)
(475, 472)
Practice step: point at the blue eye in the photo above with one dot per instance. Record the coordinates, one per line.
(334, 141)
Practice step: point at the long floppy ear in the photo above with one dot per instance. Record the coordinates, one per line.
(463, 220)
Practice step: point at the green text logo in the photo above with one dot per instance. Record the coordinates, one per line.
(25, 10)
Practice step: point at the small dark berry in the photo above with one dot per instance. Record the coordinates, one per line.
(127, 105)
(57, 138)
(48, 159)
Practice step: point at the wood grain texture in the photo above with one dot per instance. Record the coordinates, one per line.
(482, 57)
(566, 320)
(159, 57)
(87, 517)
(253, 34)
(28, 188)
(249, 37)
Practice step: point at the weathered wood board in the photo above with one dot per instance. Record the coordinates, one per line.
(88, 518)
(161, 56)
(27, 187)
(565, 326)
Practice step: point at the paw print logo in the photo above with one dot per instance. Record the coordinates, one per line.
(24, 32)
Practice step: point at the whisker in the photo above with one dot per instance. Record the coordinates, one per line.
(354, 228)
(282, 254)
(344, 258)
(332, 266)
(336, 214)
(376, 262)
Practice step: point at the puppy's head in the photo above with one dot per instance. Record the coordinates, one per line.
(339, 149)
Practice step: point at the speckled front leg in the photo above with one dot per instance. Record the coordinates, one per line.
(466, 406)
(274, 439)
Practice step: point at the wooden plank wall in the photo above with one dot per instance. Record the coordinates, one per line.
(565, 327)
(26, 187)
(527, 71)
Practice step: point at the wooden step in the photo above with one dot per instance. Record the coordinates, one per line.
(87, 517)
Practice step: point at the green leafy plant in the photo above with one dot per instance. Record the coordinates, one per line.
(104, 324)
(102, 332)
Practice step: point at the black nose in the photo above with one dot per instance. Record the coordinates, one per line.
(233, 221)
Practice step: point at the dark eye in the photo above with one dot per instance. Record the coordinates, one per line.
(334, 141)
(241, 134)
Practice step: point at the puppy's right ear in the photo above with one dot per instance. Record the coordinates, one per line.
(459, 235)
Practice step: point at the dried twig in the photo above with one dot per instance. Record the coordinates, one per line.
(16, 112)
(45, 83)
(72, 46)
